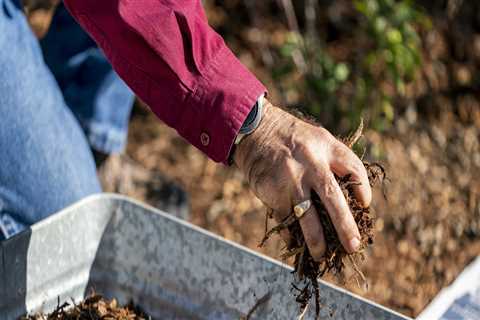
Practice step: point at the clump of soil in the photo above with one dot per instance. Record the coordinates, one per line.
(94, 307)
(306, 269)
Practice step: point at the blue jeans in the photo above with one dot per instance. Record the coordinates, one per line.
(58, 99)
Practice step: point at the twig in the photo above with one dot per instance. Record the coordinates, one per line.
(282, 225)
(304, 312)
(266, 53)
(357, 270)
(290, 13)
(264, 299)
(311, 18)
(351, 140)
(292, 22)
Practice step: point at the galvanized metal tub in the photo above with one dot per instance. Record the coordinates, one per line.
(174, 270)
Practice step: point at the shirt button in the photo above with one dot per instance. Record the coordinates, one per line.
(205, 139)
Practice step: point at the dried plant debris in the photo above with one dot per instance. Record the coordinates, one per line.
(261, 301)
(94, 307)
(306, 269)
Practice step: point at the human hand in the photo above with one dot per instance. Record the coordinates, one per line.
(286, 158)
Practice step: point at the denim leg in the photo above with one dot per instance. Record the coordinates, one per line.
(97, 96)
(45, 161)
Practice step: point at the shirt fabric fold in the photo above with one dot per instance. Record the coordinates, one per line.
(177, 64)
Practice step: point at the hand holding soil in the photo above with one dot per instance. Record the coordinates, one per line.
(286, 159)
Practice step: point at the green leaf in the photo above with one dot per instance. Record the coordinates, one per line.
(394, 36)
(341, 72)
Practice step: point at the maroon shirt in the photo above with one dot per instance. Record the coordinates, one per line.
(177, 64)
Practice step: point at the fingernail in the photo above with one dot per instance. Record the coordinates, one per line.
(354, 244)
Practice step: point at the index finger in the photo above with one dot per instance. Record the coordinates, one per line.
(334, 201)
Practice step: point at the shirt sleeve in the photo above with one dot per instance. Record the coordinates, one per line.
(177, 64)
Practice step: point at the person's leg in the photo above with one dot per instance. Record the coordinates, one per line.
(45, 160)
(97, 96)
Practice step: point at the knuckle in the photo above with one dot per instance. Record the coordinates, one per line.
(341, 151)
(330, 189)
(317, 254)
(320, 171)
(362, 171)
(356, 162)
(315, 242)
(304, 147)
(357, 171)
(290, 168)
(346, 229)
(317, 250)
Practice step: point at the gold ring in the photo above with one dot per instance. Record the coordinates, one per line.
(301, 208)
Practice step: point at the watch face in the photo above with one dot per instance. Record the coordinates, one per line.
(253, 119)
(250, 120)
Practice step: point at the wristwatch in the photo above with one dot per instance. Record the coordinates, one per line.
(252, 121)
(249, 125)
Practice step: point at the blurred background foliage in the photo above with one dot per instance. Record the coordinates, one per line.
(336, 60)
(390, 57)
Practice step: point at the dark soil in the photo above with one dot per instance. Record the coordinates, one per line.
(94, 307)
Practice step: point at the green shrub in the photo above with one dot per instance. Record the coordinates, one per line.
(338, 93)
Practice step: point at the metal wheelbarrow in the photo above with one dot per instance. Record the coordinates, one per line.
(171, 268)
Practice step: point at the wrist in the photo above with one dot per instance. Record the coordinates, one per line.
(254, 142)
